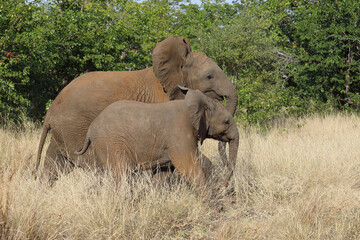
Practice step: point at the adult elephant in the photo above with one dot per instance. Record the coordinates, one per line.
(73, 110)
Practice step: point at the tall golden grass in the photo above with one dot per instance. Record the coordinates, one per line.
(298, 181)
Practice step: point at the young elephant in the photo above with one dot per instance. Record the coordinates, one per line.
(136, 135)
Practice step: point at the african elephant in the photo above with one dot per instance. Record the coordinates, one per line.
(135, 135)
(72, 111)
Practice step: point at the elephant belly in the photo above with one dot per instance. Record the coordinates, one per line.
(149, 156)
(132, 153)
(160, 162)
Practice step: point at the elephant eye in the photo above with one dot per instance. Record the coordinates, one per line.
(209, 77)
(227, 122)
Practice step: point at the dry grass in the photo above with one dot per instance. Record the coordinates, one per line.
(299, 182)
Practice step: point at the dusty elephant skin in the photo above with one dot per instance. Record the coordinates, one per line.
(133, 135)
(77, 105)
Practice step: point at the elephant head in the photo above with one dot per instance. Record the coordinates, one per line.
(174, 64)
(211, 120)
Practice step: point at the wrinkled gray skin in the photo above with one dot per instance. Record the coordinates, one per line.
(133, 135)
(81, 101)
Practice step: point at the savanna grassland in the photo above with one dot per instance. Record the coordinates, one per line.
(300, 180)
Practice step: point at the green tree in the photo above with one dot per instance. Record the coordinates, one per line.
(16, 19)
(192, 19)
(326, 41)
(323, 39)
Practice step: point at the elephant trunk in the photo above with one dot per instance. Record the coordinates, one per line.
(231, 104)
(233, 150)
(231, 99)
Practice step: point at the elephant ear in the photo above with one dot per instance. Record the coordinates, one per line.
(200, 112)
(168, 59)
(178, 93)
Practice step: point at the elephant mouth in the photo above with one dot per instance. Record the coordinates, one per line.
(220, 137)
(212, 94)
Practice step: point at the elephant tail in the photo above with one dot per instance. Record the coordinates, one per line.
(45, 130)
(85, 147)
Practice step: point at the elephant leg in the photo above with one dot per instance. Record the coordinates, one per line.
(188, 166)
(118, 164)
(167, 166)
(222, 152)
(206, 164)
(163, 166)
(55, 163)
(163, 171)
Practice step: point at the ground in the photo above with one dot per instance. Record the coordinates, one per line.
(300, 180)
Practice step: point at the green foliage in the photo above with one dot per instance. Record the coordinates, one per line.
(286, 58)
(192, 18)
(327, 40)
(320, 44)
(14, 74)
(323, 38)
(46, 44)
